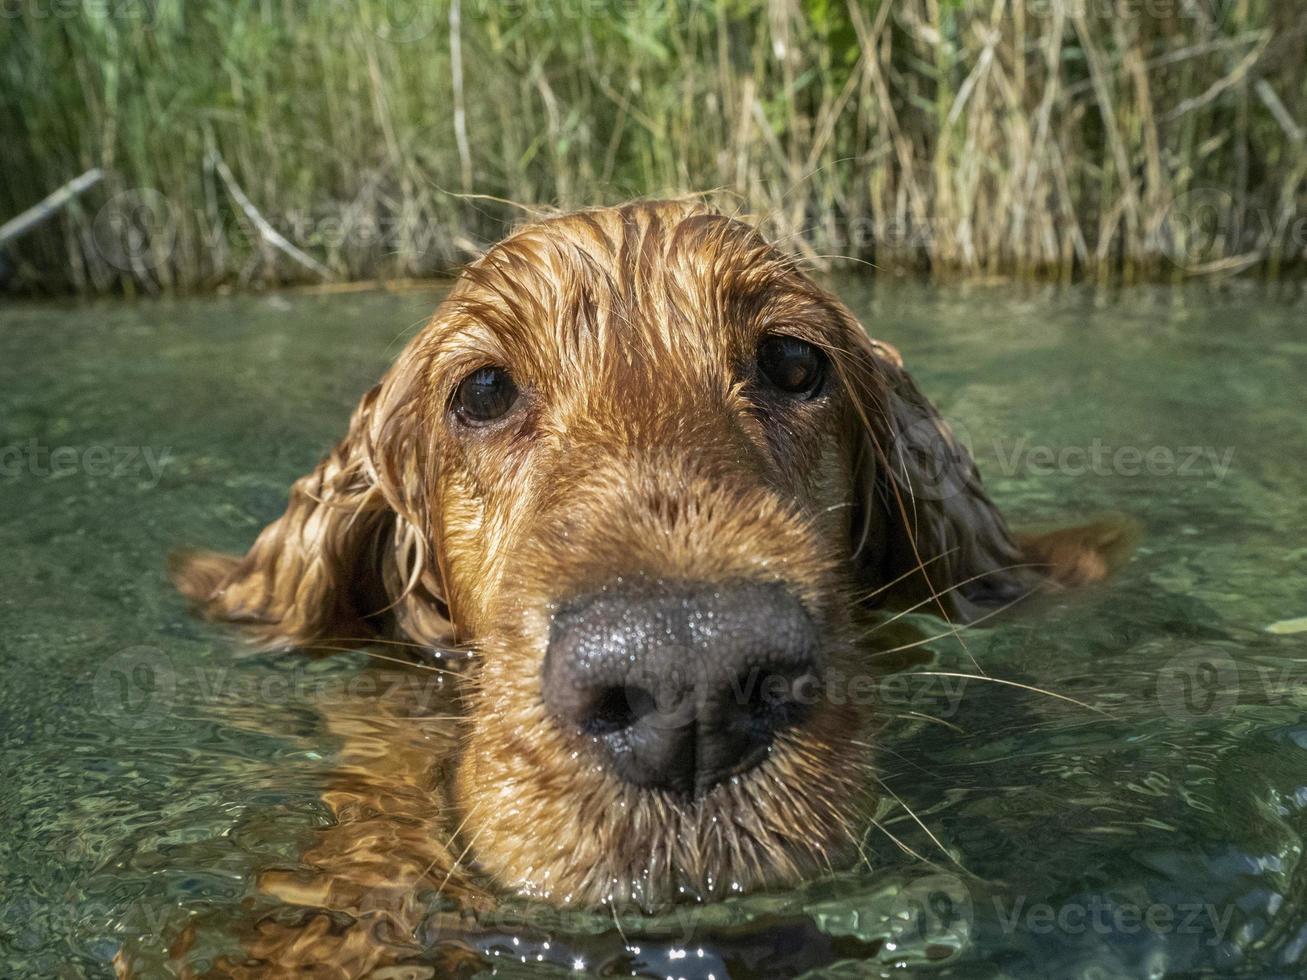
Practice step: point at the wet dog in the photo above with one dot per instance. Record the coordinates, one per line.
(642, 483)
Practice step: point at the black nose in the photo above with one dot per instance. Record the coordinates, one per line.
(684, 686)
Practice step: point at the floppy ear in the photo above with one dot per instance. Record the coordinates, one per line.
(351, 558)
(927, 534)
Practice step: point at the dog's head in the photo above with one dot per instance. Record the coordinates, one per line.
(651, 476)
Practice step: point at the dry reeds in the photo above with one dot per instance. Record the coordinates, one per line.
(1115, 139)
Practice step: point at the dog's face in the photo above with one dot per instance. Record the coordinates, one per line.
(648, 520)
(649, 475)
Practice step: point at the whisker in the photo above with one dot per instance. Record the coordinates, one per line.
(457, 861)
(862, 854)
(834, 507)
(452, 837)
(947, 633)
(886, 750)
(407, 644)
(897, 579)
(391, 660)
(957, 585)
(1007, 683)
(922, 716)
(617, 923)
(902, 846)
(916, 818)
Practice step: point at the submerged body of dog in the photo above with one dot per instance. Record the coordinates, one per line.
(647, 481)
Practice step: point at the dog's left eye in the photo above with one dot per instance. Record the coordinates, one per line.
(792, 365)
(485, 395)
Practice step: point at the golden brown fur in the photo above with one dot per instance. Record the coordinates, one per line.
(642, 452)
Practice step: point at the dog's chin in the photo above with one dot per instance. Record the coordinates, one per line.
(573, 835)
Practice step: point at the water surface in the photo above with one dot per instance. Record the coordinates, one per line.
(152, 768)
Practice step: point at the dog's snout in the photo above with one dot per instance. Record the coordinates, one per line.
(684, 686)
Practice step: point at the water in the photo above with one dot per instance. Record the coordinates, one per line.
(151, 769)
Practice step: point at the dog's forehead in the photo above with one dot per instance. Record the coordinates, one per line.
(643, 282)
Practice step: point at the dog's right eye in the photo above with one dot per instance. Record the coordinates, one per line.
(485, 395)
(791, 365)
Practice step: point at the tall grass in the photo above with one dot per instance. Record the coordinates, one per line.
(1072, 138)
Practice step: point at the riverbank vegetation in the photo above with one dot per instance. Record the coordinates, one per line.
(267, 141)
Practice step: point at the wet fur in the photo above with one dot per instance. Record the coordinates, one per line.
(643, 451)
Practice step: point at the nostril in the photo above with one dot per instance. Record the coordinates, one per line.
(775, 701)
(616, 707)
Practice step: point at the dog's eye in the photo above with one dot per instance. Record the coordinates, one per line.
(792, 365)
(485, 395)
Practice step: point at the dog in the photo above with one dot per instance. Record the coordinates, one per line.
(644, 485)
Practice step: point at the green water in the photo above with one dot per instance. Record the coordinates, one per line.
(149, 769)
